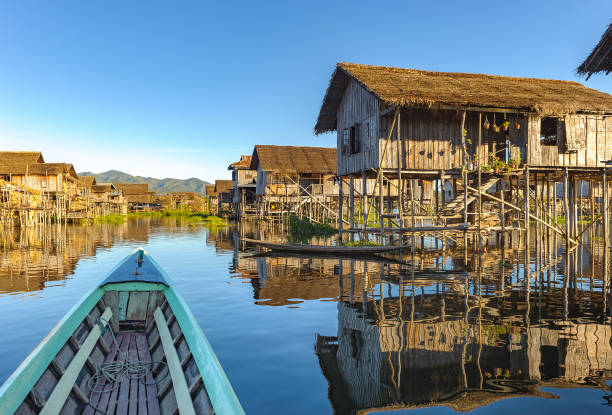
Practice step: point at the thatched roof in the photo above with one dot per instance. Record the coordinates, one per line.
(293, 159)
(102, 188)
(223, 186)
(411, 87)
(16, 162)
(132, 188)
(210, 189)
(45, 169)
(600, 59)
(87, 181)
(186, 195)
(242, 164)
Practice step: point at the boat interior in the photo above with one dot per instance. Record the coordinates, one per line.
(128, 356)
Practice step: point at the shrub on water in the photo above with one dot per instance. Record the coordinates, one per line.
(302, 230)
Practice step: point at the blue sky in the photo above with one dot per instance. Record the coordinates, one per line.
(181, 89)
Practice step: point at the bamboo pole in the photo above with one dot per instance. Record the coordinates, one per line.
(519, 209)
(479, 182)
(566, 204)
(340, 215)
(527, 205)
(352, 204)
(604, 189)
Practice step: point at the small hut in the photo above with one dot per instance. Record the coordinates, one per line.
(190, 200)
(211, 196)
(244, 183)
(17, 162)
(223, 191)
(86, 182)
(105, 199)
(293, 179)
(137, 195)
(600, 59)
(50, 178)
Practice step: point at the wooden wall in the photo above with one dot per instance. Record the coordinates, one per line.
(432, 138)
(358, 106)
(598, 130)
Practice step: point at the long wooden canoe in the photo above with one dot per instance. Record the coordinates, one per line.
(323, 249)
(130, 346)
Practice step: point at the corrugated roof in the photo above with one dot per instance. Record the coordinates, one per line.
(294, 159)
(242, 164)
(16, 162)
(411, 87)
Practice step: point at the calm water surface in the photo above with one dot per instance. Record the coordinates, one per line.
(309, 335)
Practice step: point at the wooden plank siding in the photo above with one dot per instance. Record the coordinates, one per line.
(598, 146)
(432, 137)
(357, 107)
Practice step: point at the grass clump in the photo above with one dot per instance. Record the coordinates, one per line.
(361, 243)
(302, 230)
(112, 219)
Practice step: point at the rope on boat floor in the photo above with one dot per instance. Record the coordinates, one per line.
(108, 376)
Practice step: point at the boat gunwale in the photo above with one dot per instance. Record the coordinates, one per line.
(23, 379)
(218, 387)
(16, 388)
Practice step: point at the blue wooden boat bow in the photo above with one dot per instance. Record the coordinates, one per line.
(130, 345)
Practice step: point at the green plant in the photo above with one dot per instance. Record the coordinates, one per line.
(361, 243)
(302, 230)
(112, 219)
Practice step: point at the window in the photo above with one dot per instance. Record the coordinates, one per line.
(355, 139)
(346, 141)
(548, 131)
(350, 140)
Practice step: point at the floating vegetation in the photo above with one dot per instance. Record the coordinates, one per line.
(361, 243)
(112, 219)
(302, 230)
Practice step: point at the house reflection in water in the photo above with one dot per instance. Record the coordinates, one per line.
(448, 335)
(439, 347)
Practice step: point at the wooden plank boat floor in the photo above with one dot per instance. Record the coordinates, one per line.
(131, 395)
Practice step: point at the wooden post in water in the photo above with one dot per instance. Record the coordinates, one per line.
(527, 206)
(502, 208)
(364, 204)
(352, 206)
(340, 209)
(566, 208)
(604, 196)
(381, 208)
(479, 182)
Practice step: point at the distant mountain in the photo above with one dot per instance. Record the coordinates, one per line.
(161, 186)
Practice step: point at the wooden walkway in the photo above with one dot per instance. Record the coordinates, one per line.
(132, 396)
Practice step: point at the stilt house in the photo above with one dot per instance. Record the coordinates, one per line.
(211, 196)
(223, 191)
(138, 196)
(395, 123)
(244, 183)
(291, 177)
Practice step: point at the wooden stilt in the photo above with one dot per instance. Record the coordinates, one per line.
(352, 205)
(566, 206)
(340, 211)
(526, 205)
